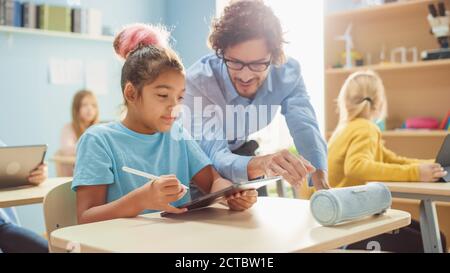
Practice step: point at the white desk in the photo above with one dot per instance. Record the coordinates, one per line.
(272, 225)
(27, 195)
(428, 194)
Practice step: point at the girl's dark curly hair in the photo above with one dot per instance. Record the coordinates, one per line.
(246, 20)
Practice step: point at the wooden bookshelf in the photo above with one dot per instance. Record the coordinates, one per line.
(381, 10)
(413, 89)
(410, 133)
(431, 65)
(70, 35)
(416, 133)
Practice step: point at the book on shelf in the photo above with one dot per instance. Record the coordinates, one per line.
(56, 18)
(8, 12)
(2, 13)
(87, 21)
(94, 22)
(445, 122)
(49, 17)
(76, 20)
(17, 14)
(29, 19)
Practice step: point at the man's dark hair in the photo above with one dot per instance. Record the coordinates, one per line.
(247, 20)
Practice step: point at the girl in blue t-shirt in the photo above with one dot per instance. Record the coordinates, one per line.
(147, 139)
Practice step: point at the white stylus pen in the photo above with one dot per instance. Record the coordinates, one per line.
(144, 174)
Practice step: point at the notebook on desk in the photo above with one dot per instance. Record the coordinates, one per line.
(443, 158)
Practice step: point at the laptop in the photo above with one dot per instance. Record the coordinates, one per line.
(443, 158)
(16, 163)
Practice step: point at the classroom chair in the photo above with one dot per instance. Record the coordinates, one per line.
(59, 210)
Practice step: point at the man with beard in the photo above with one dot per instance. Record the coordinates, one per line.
(250, 74)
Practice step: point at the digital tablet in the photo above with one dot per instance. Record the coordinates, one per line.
(16, 163)
(443, 158)
(211, 198)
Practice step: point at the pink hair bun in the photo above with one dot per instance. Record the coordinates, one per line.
(138, 35)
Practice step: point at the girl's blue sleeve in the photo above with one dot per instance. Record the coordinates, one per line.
(94, 164)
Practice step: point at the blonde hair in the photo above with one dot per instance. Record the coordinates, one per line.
(77, 125)
(361, 96)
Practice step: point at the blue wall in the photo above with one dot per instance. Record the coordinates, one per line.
(190, 21)
(33, 111)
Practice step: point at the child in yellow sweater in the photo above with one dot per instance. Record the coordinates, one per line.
(356, 153)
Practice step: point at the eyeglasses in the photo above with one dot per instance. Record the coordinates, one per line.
(255, 66)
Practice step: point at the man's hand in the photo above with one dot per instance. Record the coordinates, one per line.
(294, 169)
(320, 180)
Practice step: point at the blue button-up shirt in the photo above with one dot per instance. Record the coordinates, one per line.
(208, 86)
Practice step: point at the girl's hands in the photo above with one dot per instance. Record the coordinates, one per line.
(431, 172)
(242, 200)
(158, 195)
